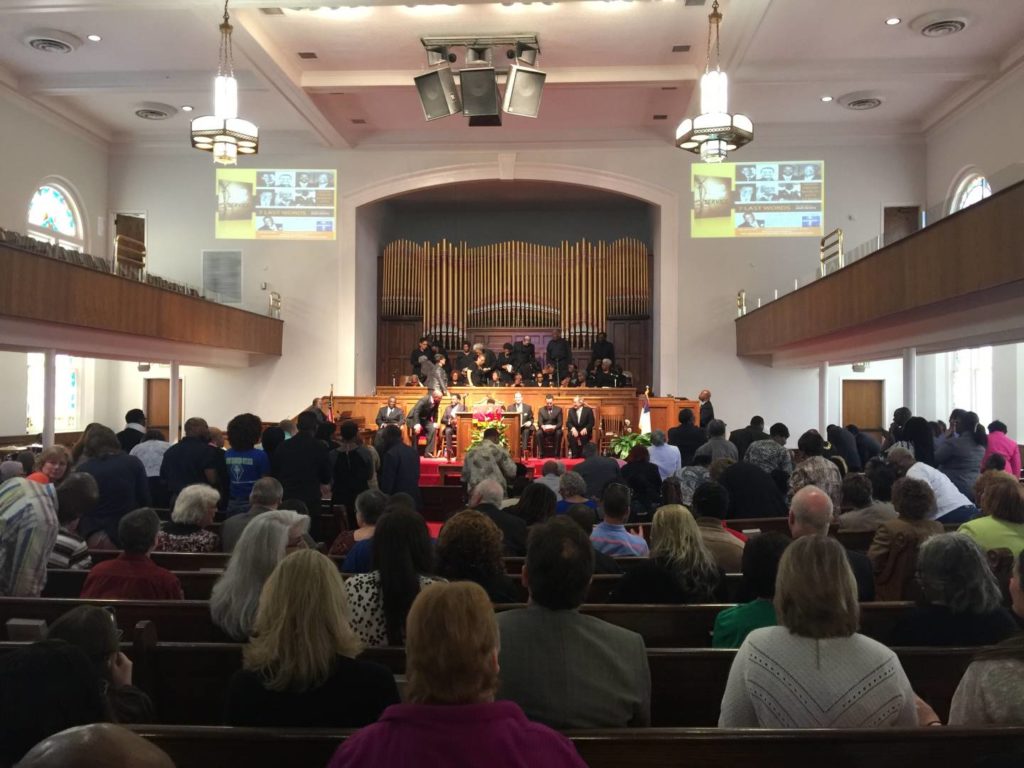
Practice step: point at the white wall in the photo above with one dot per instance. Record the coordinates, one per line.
(35, 145)
(981, 138)
(889, 371)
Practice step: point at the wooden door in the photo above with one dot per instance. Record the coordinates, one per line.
(158, 405)
(864, 404)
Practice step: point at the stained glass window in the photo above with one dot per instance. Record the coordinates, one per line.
(973, 189)
(67, 405)
(54, 218)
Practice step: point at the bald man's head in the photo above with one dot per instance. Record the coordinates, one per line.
(810, 512)
(96, 746)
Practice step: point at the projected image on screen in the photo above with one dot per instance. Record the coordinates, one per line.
(764, 199)
(277, 204)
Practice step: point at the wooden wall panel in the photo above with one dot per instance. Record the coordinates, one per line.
(51, 291)
(964, 256)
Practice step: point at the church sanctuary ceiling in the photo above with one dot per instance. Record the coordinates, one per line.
(618, 71)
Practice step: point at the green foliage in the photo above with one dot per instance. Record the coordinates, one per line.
(482, 425)
(623, 444)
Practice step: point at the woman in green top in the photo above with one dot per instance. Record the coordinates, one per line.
(1003, 523)
(761, 557)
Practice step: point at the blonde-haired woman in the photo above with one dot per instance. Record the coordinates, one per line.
(300, 668)
(452, 717)
(192, 515)
(815, 670)
(681, 567)
(51, 465)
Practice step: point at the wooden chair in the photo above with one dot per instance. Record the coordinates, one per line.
(613, 422)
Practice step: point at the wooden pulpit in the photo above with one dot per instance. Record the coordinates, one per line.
(464, 433)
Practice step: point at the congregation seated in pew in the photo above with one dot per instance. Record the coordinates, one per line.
(469, 549)
(300, 666)
(760, 567)
(133, 575)
(193, 513)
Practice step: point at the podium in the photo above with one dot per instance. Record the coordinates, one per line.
(464, 434)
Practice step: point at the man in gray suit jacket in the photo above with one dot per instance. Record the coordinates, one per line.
(596, 470)
(565, 669)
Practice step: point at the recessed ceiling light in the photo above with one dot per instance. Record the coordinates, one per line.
(94, 38)
(680, 49)
(893, 21)
(826, 98)
(186, 107)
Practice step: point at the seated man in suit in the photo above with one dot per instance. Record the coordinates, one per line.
(389, 414)
(423, 419)
(550, 435)
(580, 424)
(564, 668)
(525, 420)
(449, 422)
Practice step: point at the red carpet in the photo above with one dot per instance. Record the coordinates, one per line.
(430, 469)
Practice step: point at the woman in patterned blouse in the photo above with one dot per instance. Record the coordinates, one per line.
(193, 512)
(402, 558)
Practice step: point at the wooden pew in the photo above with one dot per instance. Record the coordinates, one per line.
(441, 501)
(197, 585)
(687, 684)
(662, 626)
(215, 747)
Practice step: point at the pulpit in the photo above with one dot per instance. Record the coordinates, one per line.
(464, 434)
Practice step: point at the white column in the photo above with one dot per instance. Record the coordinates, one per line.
(910, 379)
(49, 395)
(822, 397)
(174, 417)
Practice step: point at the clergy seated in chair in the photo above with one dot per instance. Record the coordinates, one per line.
(549, 434)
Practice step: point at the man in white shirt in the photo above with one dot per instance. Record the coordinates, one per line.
(664, 456)
(951, 506)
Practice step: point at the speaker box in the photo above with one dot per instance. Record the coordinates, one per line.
(523, 91)
(438, 94)
(480, 94)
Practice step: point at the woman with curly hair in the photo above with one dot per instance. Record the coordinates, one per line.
(469, 549)
(246, 463)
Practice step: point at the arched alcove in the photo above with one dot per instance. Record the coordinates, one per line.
(362, 218)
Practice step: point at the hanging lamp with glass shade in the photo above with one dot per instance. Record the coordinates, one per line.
(714, 133)
(224, 133)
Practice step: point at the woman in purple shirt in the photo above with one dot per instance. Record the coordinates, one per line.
(451, 717)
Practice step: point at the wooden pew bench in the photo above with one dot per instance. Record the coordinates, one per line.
(215, 747)
(662, 626)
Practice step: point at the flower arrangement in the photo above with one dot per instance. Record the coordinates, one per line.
(487, 417)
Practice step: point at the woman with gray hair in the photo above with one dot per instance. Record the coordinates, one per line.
(572, 489)
(962, 604)
(262, 545)
(191, 517)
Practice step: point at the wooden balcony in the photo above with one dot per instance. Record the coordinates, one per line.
(957, 283)
(41, 294)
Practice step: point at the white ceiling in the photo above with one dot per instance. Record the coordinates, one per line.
(610, 65)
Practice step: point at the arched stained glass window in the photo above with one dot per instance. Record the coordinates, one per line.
(53, 217)
(972, 189)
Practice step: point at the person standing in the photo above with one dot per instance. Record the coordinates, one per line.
(559, 355)
(524, 353)
(28, 532)
(399, 465)
(707, 410)
(602, 348)
(135, 428)
(687, 437)
(421, 352)
(303, 469)
(423, 419)
(193, 460)
(123, 486)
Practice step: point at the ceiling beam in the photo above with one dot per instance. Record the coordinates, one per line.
(79, 83)
(938, 70)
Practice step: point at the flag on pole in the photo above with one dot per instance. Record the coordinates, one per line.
(645, 413)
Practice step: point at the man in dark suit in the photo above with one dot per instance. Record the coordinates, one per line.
(134, 430)
(742, 438)
(389, 414)
(687, 437)
(422, 350)
(596, 470)
(559, 355)
(422, 419)
(810, 514)
(435, 374)
(707, 410)
(867, 446)
(550, 435)
(580, 424)
(399, 465)
(486, 498)
(525, 420)
(564, 668)
(844, 444)
(193, 460)
(302, 467)
(602, 348)
(523, 352)
(450, 423)
(507, 367)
